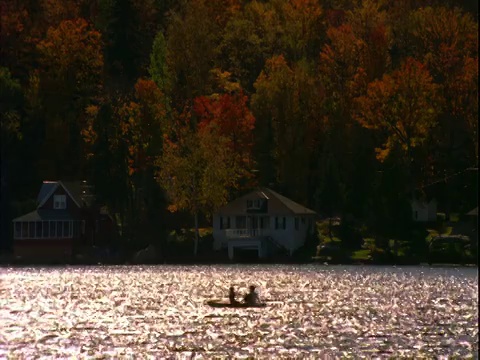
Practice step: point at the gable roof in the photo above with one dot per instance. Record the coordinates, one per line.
(48, 187)
(45, 215)
(422, 204)
(294, 207)
(77, 190)
(80, 191)
(276, 204)
(473, 212)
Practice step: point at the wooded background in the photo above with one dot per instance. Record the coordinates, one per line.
(349, 107)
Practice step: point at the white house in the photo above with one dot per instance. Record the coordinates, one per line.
(423, 211)
(262, 220)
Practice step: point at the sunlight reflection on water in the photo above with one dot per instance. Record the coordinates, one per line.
(313, 311)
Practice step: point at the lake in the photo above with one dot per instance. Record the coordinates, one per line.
(314, 311)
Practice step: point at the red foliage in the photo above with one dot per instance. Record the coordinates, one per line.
(230, 116)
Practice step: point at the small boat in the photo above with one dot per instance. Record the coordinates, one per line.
(227, 304)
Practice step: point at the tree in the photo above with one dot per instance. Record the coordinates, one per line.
(404, 106)
(302, 29)
(287, 105)
(249, 39)
(71, 64)
(124, 136)
(370, 25)
(229, 117)
(158, 69)
(196, 168)
(10, 133)
(192, 40)
(443, 38)
(13, 20)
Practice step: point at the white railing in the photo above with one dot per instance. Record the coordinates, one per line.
(245, 233)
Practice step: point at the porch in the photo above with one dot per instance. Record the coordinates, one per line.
(259, 240)
(48, 229)
(246, 233)
(47, 224)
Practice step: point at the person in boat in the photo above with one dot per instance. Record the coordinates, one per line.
(231, 296)
(252, 297)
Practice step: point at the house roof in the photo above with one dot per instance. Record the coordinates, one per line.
(47, 188)
(421, 204)
(45, 215)
(78, 191)
(473, 212)
(277, 204)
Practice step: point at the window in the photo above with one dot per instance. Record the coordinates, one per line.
(282, 224)
(59, 229)
(76, 228)
(227, 226)
(221, 223)
(59, 202)
(241, 222)
(255, 204)
(66, 229)
(416, 215)
(38, 227)
(45, 229)
(18, 230)
(265, 222)
(25, 230)
(297, 223)
(53, 229)
(31, 230)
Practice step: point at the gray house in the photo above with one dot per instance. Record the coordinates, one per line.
(262, 220)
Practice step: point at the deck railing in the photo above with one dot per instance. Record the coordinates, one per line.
(245, 233)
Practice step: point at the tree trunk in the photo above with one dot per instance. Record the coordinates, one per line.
(195, 247)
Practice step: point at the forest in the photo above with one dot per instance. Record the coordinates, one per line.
(171, 108)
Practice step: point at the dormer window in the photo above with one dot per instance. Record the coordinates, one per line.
(59, 201)
(254, 204)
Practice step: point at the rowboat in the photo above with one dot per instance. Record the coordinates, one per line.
(227, 304)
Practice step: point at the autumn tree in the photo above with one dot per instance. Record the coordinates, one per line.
(443, 38)
(13, 22)
(195, 168)
(124, 43)
(372, 30)
(125, 137)
(404, 106)
(10, 132)
(158, 70)
(287, 105)
(229, 117)
(302, 29)
(192, 40)
(71, 64)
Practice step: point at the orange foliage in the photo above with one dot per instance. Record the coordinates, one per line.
(73, 48)
(230, 115)
(404, 104)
